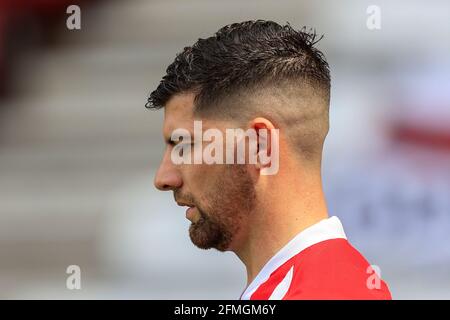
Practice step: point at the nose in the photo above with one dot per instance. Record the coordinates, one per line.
(168, 176)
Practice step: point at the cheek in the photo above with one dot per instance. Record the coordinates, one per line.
(202, 177)
(195, 176)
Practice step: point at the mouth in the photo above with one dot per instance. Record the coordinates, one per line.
(189, 211)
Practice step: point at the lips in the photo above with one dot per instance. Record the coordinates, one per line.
(190, 209)
(183, 204)
(190, 213)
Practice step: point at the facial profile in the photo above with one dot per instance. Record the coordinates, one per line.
(284, 85)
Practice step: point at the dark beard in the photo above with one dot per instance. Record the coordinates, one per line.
(231, 200)
(209, 233)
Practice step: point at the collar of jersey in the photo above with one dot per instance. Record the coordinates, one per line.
(326, 229)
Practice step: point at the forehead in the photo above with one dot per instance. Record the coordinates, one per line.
(179, 113)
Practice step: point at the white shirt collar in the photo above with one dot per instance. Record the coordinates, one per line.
(326, 229)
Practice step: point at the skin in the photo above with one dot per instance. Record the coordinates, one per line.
(236, 208)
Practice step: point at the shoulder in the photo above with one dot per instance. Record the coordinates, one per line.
(334, 269)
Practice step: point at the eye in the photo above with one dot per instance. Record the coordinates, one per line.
(182, 147)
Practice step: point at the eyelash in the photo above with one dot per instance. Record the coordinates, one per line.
(182, 149)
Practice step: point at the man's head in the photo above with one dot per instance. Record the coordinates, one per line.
(250, 75)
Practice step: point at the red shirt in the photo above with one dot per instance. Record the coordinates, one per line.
(319, 263)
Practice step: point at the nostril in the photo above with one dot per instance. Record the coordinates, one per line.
(161, 186)
(165, 187)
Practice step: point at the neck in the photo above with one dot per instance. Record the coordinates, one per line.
(275, 222)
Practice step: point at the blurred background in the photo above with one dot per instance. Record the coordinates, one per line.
(78, 150)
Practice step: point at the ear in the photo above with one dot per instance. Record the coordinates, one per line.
(265, 129)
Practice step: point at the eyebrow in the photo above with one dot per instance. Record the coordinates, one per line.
(170, 142)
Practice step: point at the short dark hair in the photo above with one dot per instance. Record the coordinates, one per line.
(256, 68)
(239, 56)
